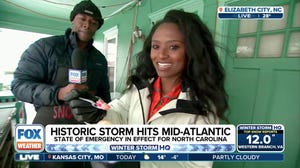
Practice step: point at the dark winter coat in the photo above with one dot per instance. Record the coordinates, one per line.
(43, 69)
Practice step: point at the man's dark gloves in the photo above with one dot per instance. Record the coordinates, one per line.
(84, 111)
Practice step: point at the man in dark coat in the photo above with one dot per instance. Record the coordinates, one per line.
(42, 75)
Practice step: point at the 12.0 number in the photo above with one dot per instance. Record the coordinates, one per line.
(254, 139)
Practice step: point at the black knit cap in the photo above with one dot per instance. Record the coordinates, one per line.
(89, 8)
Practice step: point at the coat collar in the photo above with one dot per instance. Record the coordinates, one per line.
(171, 105)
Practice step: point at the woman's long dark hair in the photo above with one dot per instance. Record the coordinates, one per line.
(204, 74)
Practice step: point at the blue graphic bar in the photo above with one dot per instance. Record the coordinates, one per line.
(236, 157)
(154, 148)
(90, 157)
(250, 15)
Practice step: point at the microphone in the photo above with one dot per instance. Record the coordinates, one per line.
(78, 73)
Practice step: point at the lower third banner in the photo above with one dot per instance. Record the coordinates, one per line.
(89, 157)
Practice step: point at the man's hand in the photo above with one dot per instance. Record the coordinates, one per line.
(67, 89)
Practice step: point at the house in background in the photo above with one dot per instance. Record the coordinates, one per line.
(261, 57)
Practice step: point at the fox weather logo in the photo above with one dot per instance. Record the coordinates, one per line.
(29, 138)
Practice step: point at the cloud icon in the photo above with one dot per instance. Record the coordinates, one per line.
(146, 157)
